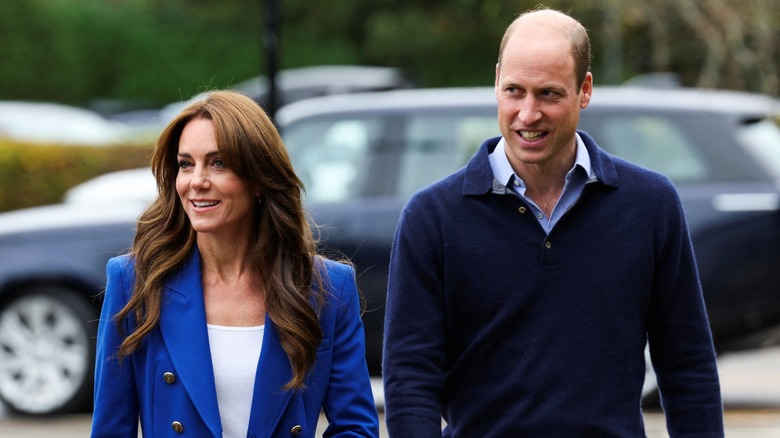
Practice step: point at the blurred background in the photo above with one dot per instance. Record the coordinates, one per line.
(127, 59)
(113, 55)
(87, 85)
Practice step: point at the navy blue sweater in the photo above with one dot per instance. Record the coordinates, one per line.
(505, 331)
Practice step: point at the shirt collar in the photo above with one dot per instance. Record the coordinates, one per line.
(504, 174)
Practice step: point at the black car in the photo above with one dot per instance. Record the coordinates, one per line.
(361, 156)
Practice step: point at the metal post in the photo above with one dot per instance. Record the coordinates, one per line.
(612, 35)
(271, 43)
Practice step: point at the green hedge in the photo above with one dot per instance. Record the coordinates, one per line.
(34, 174)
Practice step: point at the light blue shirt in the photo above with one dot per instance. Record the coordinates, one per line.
(578, 176)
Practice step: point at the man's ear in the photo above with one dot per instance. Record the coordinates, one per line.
(586, 91)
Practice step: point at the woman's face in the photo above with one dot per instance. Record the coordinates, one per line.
(215, 199)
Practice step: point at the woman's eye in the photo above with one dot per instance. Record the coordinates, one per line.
(219, 163)
(183, 164)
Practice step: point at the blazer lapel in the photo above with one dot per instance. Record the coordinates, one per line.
(184, 331)
(273, 372)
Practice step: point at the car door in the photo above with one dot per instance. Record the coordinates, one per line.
(730, 201)
(361, 168)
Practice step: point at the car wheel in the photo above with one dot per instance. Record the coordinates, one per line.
(47, 351)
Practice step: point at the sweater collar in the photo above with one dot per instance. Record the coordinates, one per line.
(479, 178)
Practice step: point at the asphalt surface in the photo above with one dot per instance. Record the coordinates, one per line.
(750, 384)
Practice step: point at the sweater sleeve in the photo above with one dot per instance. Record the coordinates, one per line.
(414, 357)
(679, 336)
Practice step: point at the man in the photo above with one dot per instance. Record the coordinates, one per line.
(524, 288)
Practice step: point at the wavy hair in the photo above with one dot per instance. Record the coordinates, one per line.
(283, 250)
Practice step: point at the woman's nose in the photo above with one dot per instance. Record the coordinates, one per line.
(199, 179)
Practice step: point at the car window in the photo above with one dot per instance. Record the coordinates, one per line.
(761, 137)
(436, 146)
(656, 143)
(331, 156)
(345, 158)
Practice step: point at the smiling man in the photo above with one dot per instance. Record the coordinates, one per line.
(524, 288)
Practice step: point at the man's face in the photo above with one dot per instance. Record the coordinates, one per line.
(539, 100)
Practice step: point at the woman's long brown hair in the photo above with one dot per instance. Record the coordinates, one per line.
(284, 248)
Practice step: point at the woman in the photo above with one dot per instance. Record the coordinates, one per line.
(222, 321)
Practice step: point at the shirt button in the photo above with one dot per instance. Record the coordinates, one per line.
(539, 215)
(169, 378)
(177, 427)
(547, 244)
(521, 209)
(516, 182)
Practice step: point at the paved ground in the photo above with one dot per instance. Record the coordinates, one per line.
(755, 423)
(750, 383)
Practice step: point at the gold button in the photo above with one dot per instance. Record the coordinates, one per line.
(521, 209)
(177, 427)
(169, 378)
(296, 430)
(547, 244)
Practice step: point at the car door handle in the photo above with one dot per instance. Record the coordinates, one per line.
(736, 202)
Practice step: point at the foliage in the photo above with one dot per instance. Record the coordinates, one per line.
(32, 174)
(72, 51)
(157, 51)
(152, 52)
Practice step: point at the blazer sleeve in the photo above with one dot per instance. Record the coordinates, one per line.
(115, 404)
(349, 402)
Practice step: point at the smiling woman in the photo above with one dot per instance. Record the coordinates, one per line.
(218, 202)
(224, 298)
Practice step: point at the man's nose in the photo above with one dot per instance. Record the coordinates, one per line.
(529, 111)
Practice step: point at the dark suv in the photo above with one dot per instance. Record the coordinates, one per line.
(361, 157)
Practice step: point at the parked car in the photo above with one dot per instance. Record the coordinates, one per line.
(361, 156)
(54, 123)
(292, 85)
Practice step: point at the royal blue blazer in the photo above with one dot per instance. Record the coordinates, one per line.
(167, 385)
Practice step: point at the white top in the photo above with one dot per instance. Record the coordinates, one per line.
(235, 352)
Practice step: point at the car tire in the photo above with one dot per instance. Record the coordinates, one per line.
(47, 351)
